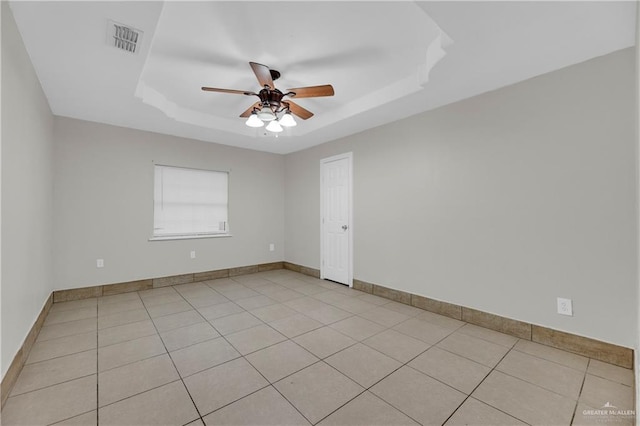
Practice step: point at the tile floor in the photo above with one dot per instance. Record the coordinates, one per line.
(280, 348)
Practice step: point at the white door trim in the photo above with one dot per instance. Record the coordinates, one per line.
(349, 157)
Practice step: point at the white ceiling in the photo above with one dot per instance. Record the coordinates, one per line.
(377, 55)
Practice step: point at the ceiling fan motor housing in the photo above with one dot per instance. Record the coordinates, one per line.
(271, 97)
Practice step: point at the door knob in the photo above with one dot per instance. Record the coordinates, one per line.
(344, 227)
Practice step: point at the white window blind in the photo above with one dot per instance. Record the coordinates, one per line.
(189, 202)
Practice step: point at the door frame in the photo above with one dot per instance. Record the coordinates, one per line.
(349, 157)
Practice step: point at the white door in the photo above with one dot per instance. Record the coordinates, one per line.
(335, 216)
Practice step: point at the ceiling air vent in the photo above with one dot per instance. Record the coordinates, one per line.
(123, 37)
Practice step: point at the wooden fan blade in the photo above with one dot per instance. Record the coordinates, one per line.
(263, 74)
(235, 92)
(249, 110)
(312, 91)
(299, 111)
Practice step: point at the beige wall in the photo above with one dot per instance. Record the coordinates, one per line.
(502, 202)
(27, 183)
(104, 205)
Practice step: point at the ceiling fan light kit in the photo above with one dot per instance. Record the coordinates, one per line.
(254, 121)
(271, 101)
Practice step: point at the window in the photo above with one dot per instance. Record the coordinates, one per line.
(189, 202)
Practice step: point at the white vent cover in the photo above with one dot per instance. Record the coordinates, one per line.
(123, 37)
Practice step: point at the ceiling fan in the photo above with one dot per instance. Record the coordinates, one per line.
(271, 101)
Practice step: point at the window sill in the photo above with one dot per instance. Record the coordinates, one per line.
(189, 237)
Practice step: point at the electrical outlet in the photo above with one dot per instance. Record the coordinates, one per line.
(193, 254)
(272, 247)
(565, 306)
(99, 263)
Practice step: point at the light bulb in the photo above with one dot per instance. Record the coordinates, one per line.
(287, 120)
(254, 121)
(274, 127)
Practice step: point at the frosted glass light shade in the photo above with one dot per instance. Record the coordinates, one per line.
(287, 120)
(265, 114)
(254, 121)
(274, 127)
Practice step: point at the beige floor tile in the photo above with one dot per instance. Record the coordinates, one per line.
(122, 318)
(62, 346)
(156, 311)
(456, 371)
(197, 422)
(162, 299)
(374, 300)
(384, 316)
(70, 315)
(273, 312)
(117, 298)
(292, 282)
(611, 372)
(475, 349)
(52, 404)
(422, 330)
(280, 360)
(201, 356)
(367, 410)
(224, 384)
(181, 319)
(522, 400)
(590, 416)
(441, 320)
(238, 293)
(235, 322)
(318, 390)
(567, 359)
(324, 341)
(329, 296)
(270, 288)
(295, 325)
(357, 328)
(285, 295)
(131, 379)
(305, 304)
(597, 392)
(117, 307)
(265, 407)
(309, 289)
(397, 345)
(151, 408)
(362, 364)
(54, 371)
(490, 335)
(406, 390)
(157, 292)
(189, 335)
(192, 288)
(255, 338)
(328, 314)
(546, 374)
(221, 283)
(255, 302)
(354, 305)
(130, 351)
(67, 329)
(474, 412)
(74, 304)
(122, 333)
(220, 310)
(202, 301)
(86, 419)
(408, 310)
